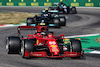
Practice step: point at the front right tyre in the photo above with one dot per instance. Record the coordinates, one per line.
(26, 47)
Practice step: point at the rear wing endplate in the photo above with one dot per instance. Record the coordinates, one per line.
(25, 27)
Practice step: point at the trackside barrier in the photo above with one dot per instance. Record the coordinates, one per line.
(85, 3)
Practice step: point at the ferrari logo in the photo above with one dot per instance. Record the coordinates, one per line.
(37, 42)
(53, 46)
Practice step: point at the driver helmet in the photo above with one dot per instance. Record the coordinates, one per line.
(43, 29)
(42, 21)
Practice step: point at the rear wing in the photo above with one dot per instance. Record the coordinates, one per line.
(38, 28)
(50, 11)
(25, 28)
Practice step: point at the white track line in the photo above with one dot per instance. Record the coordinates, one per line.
(95, 52)
(81, 35)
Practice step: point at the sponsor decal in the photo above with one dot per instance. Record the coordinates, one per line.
(22, 3)
(52, 42)
(47, 4)
(37, 54)
(74, 4)
(89, 4)
(42, 24)
(35, 4)
(10, 4)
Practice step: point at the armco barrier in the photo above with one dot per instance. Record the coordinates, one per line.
(86, 3)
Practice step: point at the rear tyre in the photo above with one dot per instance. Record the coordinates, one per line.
(57, 23)
(29, 21)
(51, 8)
(73, 10)
(27, 45)
(13, 44)
(62, 21)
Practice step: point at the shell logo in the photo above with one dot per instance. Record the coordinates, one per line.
(52, 42)
(53, 46)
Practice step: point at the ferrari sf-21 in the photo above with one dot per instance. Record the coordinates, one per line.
(50, 18)
(43, 44)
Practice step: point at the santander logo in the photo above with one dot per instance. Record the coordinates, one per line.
(52, 42)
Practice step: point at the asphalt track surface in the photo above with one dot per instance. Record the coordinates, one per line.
(87, 21)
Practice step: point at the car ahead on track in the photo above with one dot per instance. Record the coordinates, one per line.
(63, 9)
(43, 44)
(49, 18)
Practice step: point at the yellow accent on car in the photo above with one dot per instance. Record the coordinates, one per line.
(53, 46)
(37, 42)
(42, 24)
(54, 49)
(66, 39)
(46, 8)
(78, 38)
(66, 42)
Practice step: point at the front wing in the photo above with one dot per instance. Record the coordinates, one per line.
(44, 54)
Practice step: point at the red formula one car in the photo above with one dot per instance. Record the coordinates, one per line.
(43, 44)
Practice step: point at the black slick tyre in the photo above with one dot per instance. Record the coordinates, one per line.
(73, 10)
(13, 44)
(29, 21)
(62, 21)
(76, 45)
(27, 45)
(57, 22)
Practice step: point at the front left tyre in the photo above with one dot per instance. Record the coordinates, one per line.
(13, 45)
(73, 10)
(75, 46)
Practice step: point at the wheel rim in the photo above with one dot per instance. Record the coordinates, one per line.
(22, 51)
(7, 46)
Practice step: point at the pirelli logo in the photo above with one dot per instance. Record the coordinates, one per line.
(0, 3)
(74, 4)
(10, 4)
(47, 4)
(89, 4)
(22, 4)
(34, 4)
